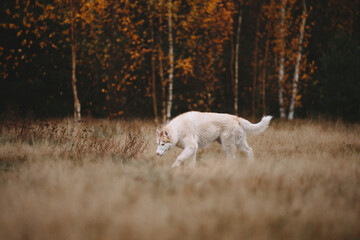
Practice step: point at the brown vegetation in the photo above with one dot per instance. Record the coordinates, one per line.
(101, 180)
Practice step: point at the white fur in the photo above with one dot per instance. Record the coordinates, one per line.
(194, 130)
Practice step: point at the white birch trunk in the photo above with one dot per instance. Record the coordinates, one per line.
(236, 80)
(297, 65)
(77, 106)
(171, 70)
(282, 60)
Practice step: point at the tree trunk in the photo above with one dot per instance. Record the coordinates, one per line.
(255, 67)
(236, 81)
(282, 60)
(171, 70)
(297, 65)
(264, 67)
(153, 84)
(77, 106)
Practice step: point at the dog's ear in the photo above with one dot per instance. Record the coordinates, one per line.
(157, 132)
(166, 133)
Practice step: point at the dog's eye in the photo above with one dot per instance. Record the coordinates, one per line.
(162, 144)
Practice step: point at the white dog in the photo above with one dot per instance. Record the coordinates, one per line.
(194, 130)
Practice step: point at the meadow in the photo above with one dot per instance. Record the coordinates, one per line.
(101, 179)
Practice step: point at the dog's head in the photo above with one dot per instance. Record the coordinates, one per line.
(163, 141)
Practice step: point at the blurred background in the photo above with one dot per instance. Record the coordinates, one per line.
(156, 59)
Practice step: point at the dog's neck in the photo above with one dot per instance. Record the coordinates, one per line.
(174, 137)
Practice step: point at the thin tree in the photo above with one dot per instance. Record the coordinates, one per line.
(282, 59)
(171, 58)
(297, 65)
(77, 106)
(236, 80)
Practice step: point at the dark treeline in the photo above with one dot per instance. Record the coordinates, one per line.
(283, 57)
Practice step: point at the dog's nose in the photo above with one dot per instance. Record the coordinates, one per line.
(158, 153)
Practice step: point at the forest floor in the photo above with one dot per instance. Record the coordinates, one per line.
(101, 179)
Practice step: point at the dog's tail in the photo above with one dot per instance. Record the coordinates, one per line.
(257, 128)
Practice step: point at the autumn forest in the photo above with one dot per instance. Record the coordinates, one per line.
(158, 58)
(86, 84)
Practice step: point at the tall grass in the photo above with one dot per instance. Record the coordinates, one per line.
(66, 140)
(102, 180)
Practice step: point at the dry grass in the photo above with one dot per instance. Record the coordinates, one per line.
(102, 180)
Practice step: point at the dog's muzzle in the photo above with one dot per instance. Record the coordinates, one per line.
(160, 153)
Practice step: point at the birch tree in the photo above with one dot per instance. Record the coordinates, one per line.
(282, 46)
(77, 106)
(236, 80)
(297, 65)
(171, 59)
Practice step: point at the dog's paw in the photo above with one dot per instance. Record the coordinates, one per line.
(176, 164)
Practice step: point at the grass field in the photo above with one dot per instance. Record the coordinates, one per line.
(102, 180)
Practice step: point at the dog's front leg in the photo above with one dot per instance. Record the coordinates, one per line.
(189, 151)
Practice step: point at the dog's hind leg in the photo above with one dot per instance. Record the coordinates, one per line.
(228, 144)
(244, 147)
(230, 150)
(188, 152)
